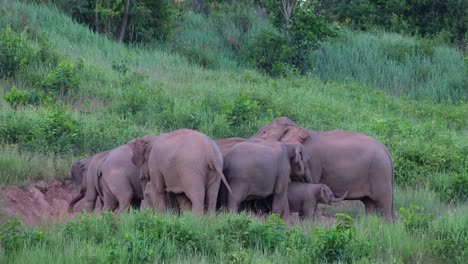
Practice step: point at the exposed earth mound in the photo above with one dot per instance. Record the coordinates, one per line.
(39, 201)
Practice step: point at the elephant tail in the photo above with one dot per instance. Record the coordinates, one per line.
(219, 171)
(98, 184)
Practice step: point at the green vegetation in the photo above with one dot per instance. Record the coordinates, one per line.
(67, 92)
(145, 237)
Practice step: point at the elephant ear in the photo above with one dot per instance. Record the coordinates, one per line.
(139, 148)
(294, 134)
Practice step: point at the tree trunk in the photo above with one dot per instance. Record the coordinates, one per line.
(123, 25)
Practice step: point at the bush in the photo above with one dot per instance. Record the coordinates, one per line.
(16, 97)
(63, 78)
(13, 237)
(414, 220)
(15, 52)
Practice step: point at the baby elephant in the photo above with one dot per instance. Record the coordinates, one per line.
(303, 197)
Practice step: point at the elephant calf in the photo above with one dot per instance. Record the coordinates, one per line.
(256, 169)
(303, 197)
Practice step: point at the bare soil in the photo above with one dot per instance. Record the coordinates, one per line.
(38, 202)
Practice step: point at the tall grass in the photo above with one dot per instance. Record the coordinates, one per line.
(145, 237)
(22, 167)
(396, 64)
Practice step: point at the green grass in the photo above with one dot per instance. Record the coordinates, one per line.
(145, 237)
(22, 167)
(396, 64)
(125, 92)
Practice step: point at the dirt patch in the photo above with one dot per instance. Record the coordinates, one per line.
(40, 201)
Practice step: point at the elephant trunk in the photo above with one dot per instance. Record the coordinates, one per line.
(339, 199)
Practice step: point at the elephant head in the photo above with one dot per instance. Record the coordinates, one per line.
(141, 148)
(78, 169)
(299, 162)
(327, 196)
(282, 129)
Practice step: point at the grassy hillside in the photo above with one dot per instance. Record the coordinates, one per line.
(78, 93)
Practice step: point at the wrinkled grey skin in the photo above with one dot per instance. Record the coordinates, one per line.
(181, 162)
(303, 197)
(77, 175)
(175, 202)
(344, 161)
(116, 180)
(226, 144)
(256, 169)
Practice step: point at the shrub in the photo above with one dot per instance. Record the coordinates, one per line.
(331, 244)
(267, 235)
(13, 236)
(414, 219)
(63, 78)
(15, 52)
(16, 97)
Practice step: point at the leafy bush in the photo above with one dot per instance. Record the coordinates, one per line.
(414, 219)
(63, 78)
(15, 52)
(16, 97)
(13, 236)
(331, 244)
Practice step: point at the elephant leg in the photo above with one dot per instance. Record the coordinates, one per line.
(183, 201)
(90, 198)
(239, 193)
(110, 204)
(124, 202)
(281, 205)
(75, 199)
(136, 204)
(212, 196)
(310, 212)
(371, 205)
(197, 197)
(159, 191)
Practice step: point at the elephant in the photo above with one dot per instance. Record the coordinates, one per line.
(116, 180)
(226, 144)
(256, 169)
(183, 161)
(344, 161)
(303, 197)
(77, 170)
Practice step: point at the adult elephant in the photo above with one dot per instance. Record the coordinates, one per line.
(343, 160)
(226, 144)
(182, 161)
(116, 180)
(257, 169)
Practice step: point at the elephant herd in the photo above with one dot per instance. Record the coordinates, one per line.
(280, 169)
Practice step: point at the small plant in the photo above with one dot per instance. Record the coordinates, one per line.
(269, 234)
(414, 219)
(16, 97)
(332, 244)
(244, 110)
